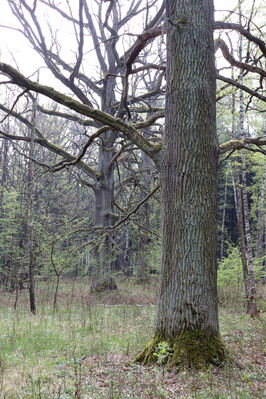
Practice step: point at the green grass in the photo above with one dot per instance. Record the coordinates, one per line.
(86, 349)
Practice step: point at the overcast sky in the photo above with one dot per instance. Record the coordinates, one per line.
(14, 47)
(12, 42)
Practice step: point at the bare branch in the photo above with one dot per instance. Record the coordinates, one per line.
(83, 109)
(70, 117)
(14, 104)
(81, 43)
(95, 38)
(42, 48)
(41, 140)
(9, 136)
(243, 31)
(140, 44)
(134, 210)
(219, 43)
(148, 66)
(64, 163)
(240, 86)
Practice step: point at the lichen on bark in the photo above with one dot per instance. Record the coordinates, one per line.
(187, 349)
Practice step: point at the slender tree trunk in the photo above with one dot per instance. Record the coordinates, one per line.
(31, 215)
(57, 274)
(143, 238)
(251, 306)
(239, 208)
(4, 168)
(261, 220)
(187, 315)
(241, 232)
(126, 264)
(223, 219)
(143, 242)
(234, 189)
(122, 261)
(16, 297)
(240, 223)
(56, 291)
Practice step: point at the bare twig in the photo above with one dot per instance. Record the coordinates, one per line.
(134, 210)
(14, 104)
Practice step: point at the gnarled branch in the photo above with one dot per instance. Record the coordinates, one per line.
(234, 145)
(117, 124)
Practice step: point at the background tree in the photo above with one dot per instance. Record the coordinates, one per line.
(113, 20)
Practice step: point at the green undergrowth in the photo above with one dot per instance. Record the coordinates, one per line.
(86, 350)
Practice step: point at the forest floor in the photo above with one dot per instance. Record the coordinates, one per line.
(86, 349)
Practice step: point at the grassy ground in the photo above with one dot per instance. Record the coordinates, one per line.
(86, 349)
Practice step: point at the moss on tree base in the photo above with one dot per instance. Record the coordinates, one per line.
(193, 349)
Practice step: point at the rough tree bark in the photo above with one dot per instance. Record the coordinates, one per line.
(102, 277)
(187, 317)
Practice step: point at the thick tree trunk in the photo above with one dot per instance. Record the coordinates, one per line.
(102, 277)
(187, 316)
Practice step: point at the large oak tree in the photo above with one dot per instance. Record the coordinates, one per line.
(187, 316)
